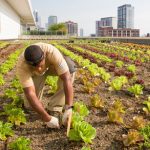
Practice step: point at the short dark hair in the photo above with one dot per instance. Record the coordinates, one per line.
(33, 55)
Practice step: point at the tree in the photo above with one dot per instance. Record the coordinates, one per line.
(58, 28)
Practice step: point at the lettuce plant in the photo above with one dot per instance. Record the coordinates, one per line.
(81, 108)
(118, 83)
(138, 123)
(85, 63)
(118, 106)
(119, 63)
(84, 80)
(145, 131)
(16, 84)
(131, 68)
(5, 130)
(15, 115)
(115, 112)
(146, 109)
(11, 93)
(93, 70)
(132, 137)
(106, 77)
(7, 109)
(76, 117)
(20, 143)
(82, 131)
(96, 81)
(115, 116)
(97, 102)
(89, 87)
(52, 82)
(136, 89)
(2, 82)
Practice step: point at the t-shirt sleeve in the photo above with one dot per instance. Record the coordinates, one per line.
(59, 62)
(24, 77)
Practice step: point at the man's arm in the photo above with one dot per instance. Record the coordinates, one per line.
(35, 103)
(68, 88)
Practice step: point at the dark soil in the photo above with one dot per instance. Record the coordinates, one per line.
(109, 135)
(6, 51)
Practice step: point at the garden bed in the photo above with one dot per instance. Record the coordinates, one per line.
(108, 135)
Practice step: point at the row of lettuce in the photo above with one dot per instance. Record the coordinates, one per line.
(3, 44)
(12, 106)
(117, 83)
(15, 115)
(81, 130)
(115, 112)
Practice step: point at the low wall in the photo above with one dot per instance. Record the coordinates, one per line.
(136, 40)
(42, 37)
(145, 41)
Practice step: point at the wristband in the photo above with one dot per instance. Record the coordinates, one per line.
(68, 107)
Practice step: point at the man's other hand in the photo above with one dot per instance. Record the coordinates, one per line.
(53, 123)
(66, 115)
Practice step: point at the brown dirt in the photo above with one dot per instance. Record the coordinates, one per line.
(5, 52)
(109, 135)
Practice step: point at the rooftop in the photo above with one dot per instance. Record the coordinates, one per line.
(24, 9)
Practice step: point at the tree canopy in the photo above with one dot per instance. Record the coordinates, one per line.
(59, 28)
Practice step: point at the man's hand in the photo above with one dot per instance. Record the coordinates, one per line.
(53, 123)
(66, 115)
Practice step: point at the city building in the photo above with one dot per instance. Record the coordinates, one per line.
(46, 26)
(52, 20)
(126, 16)
(98, 25)
(109, 22)
(72, 28)
(39, 25)
(81, 32)
(14, 19)
(125, 32)
(148, 35)
(106, 22)
(37, 19)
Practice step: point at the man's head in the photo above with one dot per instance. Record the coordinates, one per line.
(33, 55)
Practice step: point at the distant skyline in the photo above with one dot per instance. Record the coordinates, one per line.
(87, 12)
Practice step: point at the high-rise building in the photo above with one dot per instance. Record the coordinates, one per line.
(46, 26)
(106, 22)
(72, 28)
(98, 25)
(39, 22)
(126, 16)
(52, 20)
(35, 13)
(81, 32)
(37, 19)
(109, 22)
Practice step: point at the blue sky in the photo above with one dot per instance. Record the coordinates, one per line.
(86, 12)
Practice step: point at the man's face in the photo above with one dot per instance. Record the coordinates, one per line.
(40, 68)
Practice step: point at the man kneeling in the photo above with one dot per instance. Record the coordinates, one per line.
(34, 65)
